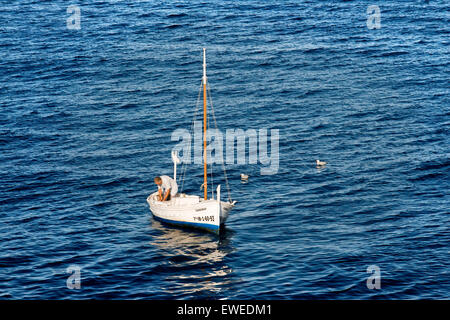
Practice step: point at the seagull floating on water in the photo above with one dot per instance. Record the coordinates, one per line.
(244, 176)
(320, 163)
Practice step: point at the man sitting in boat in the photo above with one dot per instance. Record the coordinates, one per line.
(167, 187)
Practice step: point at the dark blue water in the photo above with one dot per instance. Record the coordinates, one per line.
(86, 122)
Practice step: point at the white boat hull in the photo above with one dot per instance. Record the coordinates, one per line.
(190, 211)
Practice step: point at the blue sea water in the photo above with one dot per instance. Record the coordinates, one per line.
(86, 122)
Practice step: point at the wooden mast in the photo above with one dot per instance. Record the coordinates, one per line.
(205, 166)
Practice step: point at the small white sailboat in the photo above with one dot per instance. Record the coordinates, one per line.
(191, 210)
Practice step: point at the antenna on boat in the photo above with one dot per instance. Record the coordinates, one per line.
(175, 161)
(205, 166)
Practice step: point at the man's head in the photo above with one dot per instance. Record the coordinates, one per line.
(158, 181)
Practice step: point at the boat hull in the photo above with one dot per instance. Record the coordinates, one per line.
(190, 211)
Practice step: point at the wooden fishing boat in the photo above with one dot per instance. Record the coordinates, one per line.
(191, 210)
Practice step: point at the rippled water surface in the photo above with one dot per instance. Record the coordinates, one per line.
(86, 122)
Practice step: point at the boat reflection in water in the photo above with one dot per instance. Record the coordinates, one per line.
(193, 261)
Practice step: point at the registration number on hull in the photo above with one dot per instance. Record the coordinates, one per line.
(204, 219)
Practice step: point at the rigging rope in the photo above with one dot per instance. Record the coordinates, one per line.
(222, 162)
(190, 132)
(210, 165)
(184, 168)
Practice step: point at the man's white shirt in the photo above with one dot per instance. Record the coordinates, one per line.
(168, 183)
